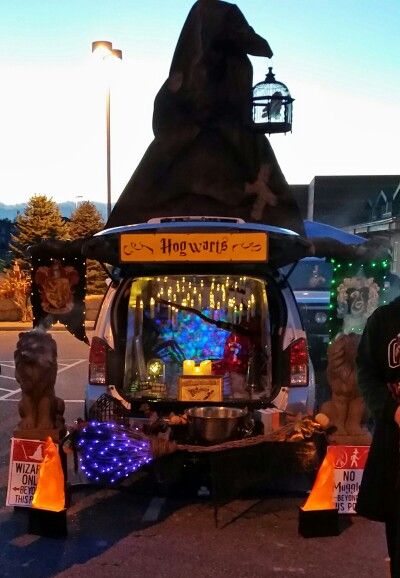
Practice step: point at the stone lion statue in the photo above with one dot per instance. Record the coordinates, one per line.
(36, 372)
(346, 410)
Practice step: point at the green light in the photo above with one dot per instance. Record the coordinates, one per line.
(373, 264)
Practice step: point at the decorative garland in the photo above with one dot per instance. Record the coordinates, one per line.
(357, 289)
(108, 454)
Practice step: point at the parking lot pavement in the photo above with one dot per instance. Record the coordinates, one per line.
(9, 388)
(8, 384)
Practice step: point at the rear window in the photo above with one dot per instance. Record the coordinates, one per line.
(310, 275)
(198, 338)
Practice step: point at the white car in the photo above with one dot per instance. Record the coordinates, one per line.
(198, 313)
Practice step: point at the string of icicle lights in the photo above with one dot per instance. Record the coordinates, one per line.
(108, 454)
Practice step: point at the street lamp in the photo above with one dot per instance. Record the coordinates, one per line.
(105, 51)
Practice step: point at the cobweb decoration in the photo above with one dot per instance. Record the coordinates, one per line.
(110, 453)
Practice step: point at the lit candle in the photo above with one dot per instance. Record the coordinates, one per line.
(253, 305)
(197, 370)
(230, 310)
(205, 367)
(188, 367)
(140, 312)
(152, 304)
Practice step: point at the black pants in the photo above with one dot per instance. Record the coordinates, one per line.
(393, 544)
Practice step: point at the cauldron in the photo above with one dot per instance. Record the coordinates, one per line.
(214, 424)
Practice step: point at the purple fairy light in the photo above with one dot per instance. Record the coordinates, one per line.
(109, 452)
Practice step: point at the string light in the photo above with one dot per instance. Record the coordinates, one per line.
(109, 453)
(374, 269)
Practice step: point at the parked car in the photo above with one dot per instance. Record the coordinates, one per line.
(311, 280)
(169, 308)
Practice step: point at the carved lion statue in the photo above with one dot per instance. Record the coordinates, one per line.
(36, 372)
(346, 410)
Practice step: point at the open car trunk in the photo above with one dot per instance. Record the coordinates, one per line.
(198, 338)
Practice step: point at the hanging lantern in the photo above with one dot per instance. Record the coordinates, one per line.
(272, 106)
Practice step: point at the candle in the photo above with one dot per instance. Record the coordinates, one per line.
(230, 310)
(188, 367)
(152, 304)
(140, 313)
(205, 367)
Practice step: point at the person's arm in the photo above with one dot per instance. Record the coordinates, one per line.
(370, 373)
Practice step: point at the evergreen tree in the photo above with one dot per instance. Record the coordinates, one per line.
(86, 221)
(40, 220)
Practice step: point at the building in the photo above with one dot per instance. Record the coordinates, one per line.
(367, 205)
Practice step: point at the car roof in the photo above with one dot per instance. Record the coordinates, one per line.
(194, 225)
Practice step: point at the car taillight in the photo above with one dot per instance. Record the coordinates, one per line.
(298, 359)
(98, 361)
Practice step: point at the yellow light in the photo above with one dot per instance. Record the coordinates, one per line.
(102, 48)
(155, 367)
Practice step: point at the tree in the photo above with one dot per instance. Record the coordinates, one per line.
(40, 220)
(16, 285)
(86, 221)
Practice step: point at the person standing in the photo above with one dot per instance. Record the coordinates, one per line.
(378, 373)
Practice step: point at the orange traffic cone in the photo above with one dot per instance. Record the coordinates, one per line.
(50, 493)
(321, 495)
(319, 517)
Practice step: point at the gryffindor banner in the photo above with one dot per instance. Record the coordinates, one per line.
(58, 286)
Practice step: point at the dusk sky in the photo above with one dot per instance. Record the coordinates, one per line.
(339, 58)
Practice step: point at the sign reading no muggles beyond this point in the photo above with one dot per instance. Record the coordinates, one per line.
(349, 468)
(25, 459)
(199, 247)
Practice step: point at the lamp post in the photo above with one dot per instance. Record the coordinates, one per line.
(105, 50)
